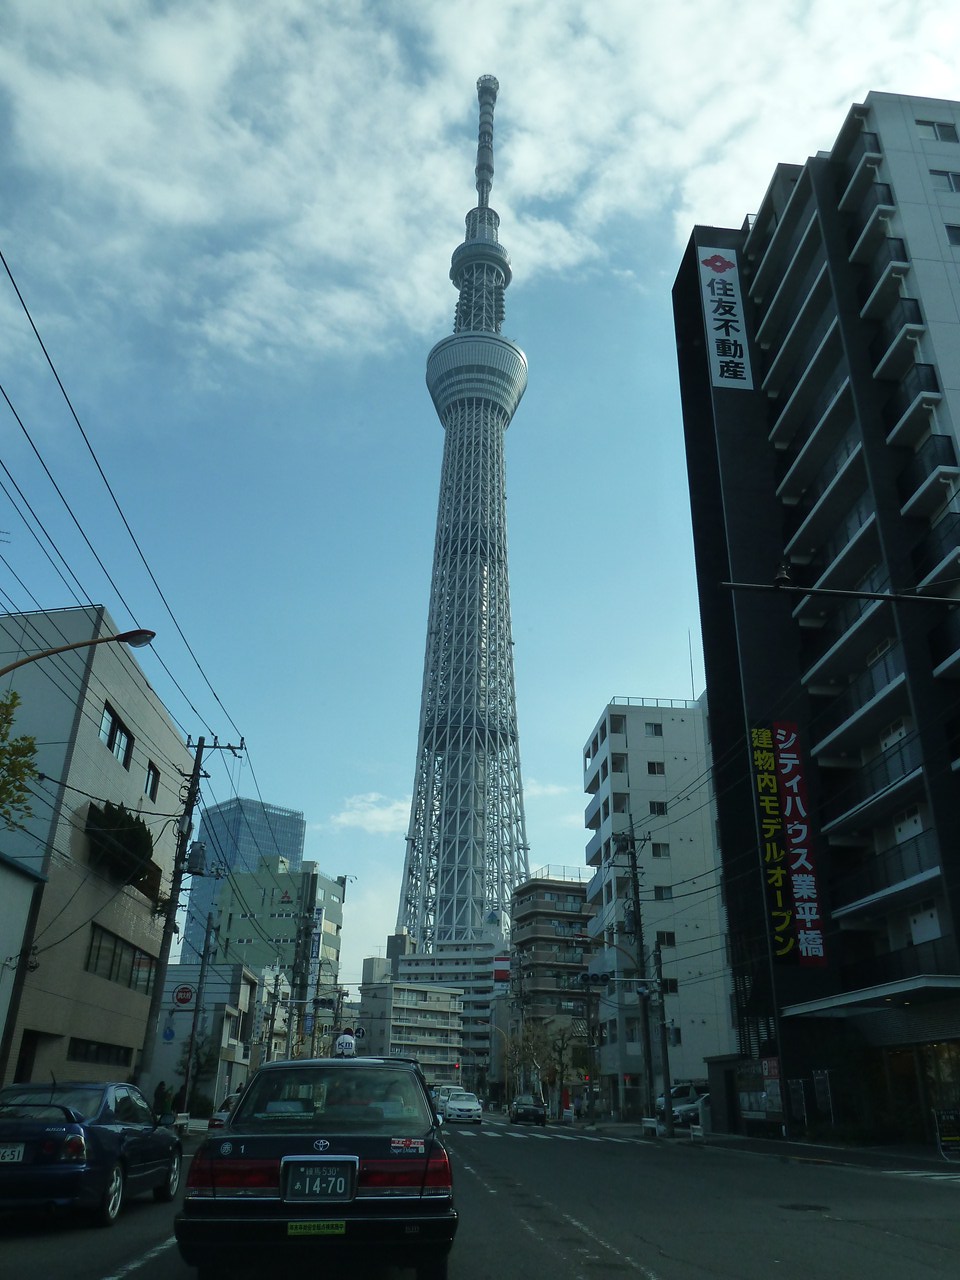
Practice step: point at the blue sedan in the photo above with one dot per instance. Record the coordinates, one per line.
(83, 1146)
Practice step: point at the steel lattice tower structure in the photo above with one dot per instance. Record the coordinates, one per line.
(466, 844)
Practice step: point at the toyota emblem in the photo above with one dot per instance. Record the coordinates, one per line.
(321, 1144)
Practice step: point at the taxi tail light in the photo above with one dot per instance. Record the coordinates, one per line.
(431, 1177)
(210, 1176)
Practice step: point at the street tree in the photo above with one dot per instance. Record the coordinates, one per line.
(17, 767)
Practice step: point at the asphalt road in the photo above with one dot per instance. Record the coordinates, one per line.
(574, 1205)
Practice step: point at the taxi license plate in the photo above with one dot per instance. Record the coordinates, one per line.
(316, 1228)
(11, 1152)
(320, 1180)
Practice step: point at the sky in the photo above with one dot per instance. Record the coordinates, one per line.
(230, 226)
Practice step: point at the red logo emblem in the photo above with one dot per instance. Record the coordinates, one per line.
(718, 263)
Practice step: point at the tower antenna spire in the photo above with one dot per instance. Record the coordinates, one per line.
(487, 89)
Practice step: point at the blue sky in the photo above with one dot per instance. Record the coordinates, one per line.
(232, 225)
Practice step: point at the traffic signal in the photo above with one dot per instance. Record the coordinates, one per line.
(595, 979)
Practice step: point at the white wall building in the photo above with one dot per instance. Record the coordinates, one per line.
(647, 775)
(79, 968)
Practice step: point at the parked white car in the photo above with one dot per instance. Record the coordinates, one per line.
(464, 1107)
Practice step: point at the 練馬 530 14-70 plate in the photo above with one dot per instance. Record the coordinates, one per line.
(327, 1181)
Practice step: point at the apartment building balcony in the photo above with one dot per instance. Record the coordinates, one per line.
(840, 483)
(805, 276)
(907, 412)
(880, 286)
(846, 556)
(885, 877)
(870, 221)
(832, 419)
(936, 558)
(875, 698)
(822, 367)
(810, 322)
(945, 646)
(853, 630)
(938, 956)
(894, 348)
(925, 481)
(863, 795)
(593, 853)
(785, 243)
(860, 170)
(592, 813)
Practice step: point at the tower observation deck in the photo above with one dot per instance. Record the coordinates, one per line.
(466, 843)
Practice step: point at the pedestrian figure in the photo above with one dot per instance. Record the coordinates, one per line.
(160, 1098)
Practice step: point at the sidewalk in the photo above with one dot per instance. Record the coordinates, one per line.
(913, 1158)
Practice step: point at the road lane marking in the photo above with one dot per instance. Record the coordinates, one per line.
(142, 1261)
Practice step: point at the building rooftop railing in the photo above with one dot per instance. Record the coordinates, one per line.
(681, 703)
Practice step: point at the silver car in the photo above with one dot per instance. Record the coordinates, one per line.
(463, 1107)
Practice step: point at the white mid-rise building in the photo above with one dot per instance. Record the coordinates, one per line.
(657, 892)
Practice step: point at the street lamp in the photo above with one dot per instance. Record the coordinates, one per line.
(136, 639)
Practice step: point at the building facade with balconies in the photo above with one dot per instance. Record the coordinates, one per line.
(819, 355)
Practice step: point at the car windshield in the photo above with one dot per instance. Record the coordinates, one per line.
(464, 1097)
(526, 1100)
(367, 1099)
(35, 1101)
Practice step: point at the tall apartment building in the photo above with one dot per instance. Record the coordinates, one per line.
(656, 888)
(235, 836)
(550, 919)
(819, 356)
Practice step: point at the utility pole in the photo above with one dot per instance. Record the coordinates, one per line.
(184, 830)
(274, 1001)
(188, 1081)
(664, 1051)
(625, 843)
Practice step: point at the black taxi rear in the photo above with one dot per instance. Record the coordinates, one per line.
(323, 1161)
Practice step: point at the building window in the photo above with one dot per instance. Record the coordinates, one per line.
(113, 1055)
(151, 783)
(937, 131)
(953, 234)
(115, 734)
(119, 961)
(656, 767)
(662, 892)
(653, 729)
(658, 808)
(943, 180)
(669, 986)
(666, 938)
(660, 850)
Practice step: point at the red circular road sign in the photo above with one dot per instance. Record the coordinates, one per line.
(183, 995)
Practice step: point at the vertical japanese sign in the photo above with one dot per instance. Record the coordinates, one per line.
(723, 312)
(787, 846)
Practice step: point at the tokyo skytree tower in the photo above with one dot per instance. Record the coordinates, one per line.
(466, 844)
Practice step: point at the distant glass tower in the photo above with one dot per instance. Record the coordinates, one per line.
(466, 845)
(236, 836)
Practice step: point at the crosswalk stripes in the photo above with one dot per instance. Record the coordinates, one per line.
(928, 1175)
(495, 1133)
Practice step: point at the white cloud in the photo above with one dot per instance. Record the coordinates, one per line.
(290, 178)
(534, 790)
(374, 814)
